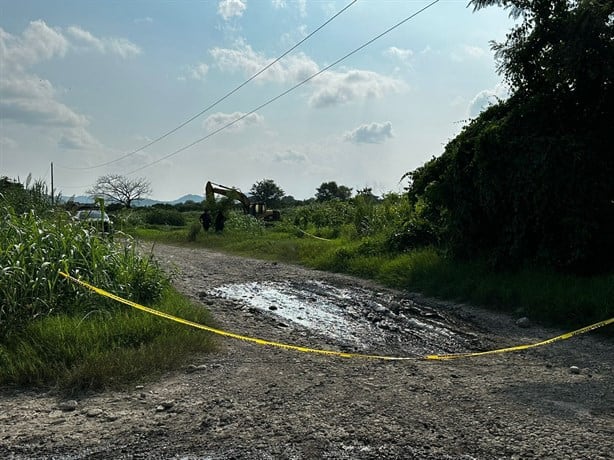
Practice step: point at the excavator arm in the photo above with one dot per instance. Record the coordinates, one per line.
(258, 210)
(211, 189)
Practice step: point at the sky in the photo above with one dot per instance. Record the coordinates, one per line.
(87, 85)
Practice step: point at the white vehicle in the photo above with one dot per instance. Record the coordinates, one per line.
(95, 218)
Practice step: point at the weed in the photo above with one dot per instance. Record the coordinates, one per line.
(102, 348)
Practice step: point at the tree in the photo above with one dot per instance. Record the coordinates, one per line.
(330, 190)
(366, 195)
(561, 47)
(288, 201)
(268, 192)
(530, 180)
(120, 189)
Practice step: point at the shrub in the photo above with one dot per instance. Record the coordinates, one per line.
(163, 216)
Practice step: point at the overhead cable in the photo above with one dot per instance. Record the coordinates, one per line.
(221, 99)
(270, 101)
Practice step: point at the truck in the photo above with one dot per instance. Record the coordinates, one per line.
(257, 209)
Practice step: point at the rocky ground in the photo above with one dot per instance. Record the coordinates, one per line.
(248, 401)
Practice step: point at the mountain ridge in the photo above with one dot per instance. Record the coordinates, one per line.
(84, 199)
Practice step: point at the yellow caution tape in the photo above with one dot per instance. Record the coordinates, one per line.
(312, 236)
(523, 347)
(340, 354)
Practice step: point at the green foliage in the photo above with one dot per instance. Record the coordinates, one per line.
(25, 197)
(102, 348)
(193, 231)
(35, 249)
(267, 191)
(513, 188)
(560, 48)
(189, 206)
(320, 215)
(530, 180)
(244, 224)
(54, 333)
(328, 191)
(164, 216)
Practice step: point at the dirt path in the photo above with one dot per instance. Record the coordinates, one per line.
(253, 402)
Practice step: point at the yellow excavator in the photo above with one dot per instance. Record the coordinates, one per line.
(256, 209)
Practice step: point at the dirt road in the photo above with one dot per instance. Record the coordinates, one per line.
(255, 402)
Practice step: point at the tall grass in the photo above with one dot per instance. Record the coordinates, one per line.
(102, 348)
(545, 296)
(54, 333)
(35, 249)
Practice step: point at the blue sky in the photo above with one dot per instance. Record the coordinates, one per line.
(84, 83)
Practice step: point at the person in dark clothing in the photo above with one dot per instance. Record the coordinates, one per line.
(219, 221)
(205, 220)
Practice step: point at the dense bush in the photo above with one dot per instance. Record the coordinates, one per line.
(514, 188)
(162, 216)
(25, 197)
(530, 180)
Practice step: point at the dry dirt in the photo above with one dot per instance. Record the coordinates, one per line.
(247, 401)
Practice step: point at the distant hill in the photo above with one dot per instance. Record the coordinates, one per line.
(189, 197)
(146, 202)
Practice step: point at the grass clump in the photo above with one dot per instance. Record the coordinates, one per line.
(103, 348)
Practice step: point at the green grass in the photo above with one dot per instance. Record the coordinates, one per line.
(103, 349)
(545, 296)
(54, 333)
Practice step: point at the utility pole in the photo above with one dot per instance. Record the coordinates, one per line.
(52, 190)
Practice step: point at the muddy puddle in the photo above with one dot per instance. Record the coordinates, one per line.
(359, 320)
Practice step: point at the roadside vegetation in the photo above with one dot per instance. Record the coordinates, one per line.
(516, 214)
(363, 239)
(54, 333)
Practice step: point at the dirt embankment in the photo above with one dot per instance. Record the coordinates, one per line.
(255, 402)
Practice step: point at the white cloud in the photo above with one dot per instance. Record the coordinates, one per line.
(230, 8)
(372, 133)
(196, 72)
(86, 38)
(7, 142)
(336, 88)
(465, 52)
(145, 20)
(120, 46)
(290, 39)
(38, 42)
(244, 59)
(330, 88)
(400, 54)
(486, 98)
(219, 120)
(28, 99)
(301, 5)
(77, 139)
(290, 156)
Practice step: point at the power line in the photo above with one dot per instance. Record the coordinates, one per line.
(221, 99)
(270, 101)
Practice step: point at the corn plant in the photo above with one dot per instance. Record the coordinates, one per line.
(34, 249)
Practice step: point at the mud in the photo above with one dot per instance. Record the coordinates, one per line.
(358, 320)
(247, 401)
